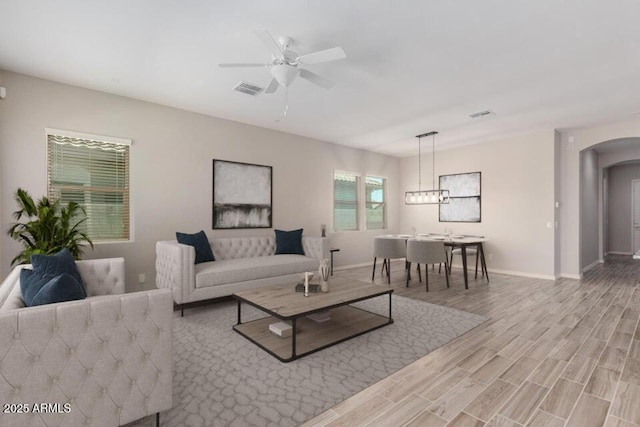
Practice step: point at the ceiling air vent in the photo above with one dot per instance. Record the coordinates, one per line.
(248, 88)
(480, 114)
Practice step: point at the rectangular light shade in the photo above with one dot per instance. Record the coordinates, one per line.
(426, 197)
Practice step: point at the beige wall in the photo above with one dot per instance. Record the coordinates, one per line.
(517, 200)
(517, 194)
(557, 173)
(171, 168)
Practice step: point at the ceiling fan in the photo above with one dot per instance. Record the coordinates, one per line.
(285, 63)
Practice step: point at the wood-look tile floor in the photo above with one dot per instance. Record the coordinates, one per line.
(563, 353)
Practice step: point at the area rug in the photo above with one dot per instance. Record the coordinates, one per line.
(222, 379)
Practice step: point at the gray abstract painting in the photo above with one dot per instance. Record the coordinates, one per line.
(464, 192)
(241, 195)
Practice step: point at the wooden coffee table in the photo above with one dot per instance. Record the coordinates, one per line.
(282, 303)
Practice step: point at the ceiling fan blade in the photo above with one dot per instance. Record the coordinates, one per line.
(316, 79)
(273, 86)
(241, 65)
(322, 56)
(270, 42)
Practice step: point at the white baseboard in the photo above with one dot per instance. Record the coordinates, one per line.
(571, 276)
(590, 266)
(362, 264)
(619, 253)
(469, 270)
(523, 274)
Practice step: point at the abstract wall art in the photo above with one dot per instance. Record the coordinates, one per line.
(464, 192)
(242, 195)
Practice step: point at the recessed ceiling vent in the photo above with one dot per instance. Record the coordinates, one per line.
(248, 88)
(479, 114)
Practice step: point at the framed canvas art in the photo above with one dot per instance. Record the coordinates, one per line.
(242, 195)
(464, 192)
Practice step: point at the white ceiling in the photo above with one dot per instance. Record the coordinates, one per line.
(412, 66)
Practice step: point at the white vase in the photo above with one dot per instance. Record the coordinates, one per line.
(324, 285)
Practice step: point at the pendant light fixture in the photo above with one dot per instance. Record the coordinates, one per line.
(436, 196)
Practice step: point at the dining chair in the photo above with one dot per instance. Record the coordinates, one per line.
(431, 236)
(387, 248)
(426, 252)
(470, 251)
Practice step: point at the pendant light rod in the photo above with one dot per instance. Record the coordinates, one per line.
(419, 163)
(433, 161)
(433, 145)
(433, 158)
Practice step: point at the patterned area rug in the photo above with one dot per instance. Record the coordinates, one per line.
(222, 379)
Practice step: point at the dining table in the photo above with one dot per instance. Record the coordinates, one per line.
(455, 241)
(462, 242)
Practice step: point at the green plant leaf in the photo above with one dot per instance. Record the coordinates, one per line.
(49, 228)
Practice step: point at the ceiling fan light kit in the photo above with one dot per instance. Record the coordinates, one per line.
(284, 74)
(285, 63)
(436, 196)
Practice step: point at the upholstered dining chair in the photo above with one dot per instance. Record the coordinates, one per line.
(387, 248)
(470, 251)
(426, 252)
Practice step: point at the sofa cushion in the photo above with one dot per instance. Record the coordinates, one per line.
(200, 243)
(289, 242)
(240, 270)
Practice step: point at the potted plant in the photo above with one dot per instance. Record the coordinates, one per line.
(49, 227)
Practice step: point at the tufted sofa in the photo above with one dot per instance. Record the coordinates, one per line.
(105, 360)
(241, 263)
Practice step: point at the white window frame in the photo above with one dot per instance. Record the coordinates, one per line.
(385, 203)
(102, 138)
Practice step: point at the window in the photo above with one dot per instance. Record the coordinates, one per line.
(94, 172)
(375, 200)
(345, 201)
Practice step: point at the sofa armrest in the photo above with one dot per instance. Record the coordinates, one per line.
(10, 296)
(316, 247)
(109, 358)
(175, 268)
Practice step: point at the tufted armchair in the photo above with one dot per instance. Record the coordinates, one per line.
(102, 361)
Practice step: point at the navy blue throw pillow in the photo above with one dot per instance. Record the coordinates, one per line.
(50, 266)
(59, 289)
(45, 269)
(30, 285)
(200, 243)
(289, 242)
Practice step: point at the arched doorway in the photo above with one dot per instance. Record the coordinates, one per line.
(607, 171)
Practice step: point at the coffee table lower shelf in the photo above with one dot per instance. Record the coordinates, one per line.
(346, 322)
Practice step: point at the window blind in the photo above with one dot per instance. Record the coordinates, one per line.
(345, 201)
(375, 202)
(95, 174)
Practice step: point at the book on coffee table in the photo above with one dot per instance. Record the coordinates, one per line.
(281, 329)
(323, 316)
